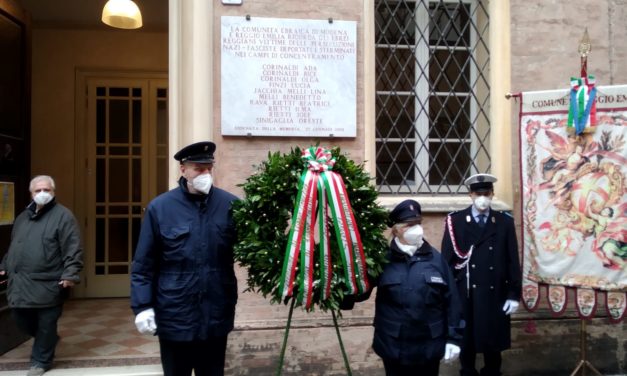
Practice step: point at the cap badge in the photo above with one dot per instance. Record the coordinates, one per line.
(480, 178)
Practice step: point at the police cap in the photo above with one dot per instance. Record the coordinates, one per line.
(481, 183)
(406, 211)
(199, 152)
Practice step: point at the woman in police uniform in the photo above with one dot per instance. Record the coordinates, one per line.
(418, 314)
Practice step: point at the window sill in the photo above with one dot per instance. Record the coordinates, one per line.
(440, 204)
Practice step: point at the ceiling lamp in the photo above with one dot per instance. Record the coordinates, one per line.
(123, 14)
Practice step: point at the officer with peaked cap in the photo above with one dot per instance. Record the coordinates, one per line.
(480, 245)
(481, 183)
(417, 311)
(200, 152)
(183, 285)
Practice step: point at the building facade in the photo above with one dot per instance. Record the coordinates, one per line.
(106, 109)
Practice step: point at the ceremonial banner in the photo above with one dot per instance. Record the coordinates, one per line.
(574, 201)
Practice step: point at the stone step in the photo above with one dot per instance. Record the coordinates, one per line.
(145, 370)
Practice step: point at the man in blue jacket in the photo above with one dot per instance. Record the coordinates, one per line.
(183, 285)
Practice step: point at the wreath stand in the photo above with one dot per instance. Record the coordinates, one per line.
(583, 363)
(279, 369)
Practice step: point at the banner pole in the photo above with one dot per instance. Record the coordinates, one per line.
(583, 363)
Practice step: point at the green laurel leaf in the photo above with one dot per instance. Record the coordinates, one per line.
(262, 220)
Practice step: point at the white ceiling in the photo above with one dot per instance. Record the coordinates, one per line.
(85, 14)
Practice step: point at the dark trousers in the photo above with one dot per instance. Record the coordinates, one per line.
(206, 358)
(40, 323)
(491, 361)
(468, 354)
(424, 369)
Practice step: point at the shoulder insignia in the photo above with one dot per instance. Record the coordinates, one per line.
(508, 213)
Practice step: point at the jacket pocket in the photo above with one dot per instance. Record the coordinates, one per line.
(386, 341)
(38, 289)
(436, 288)
(391, 288)
(176, 296)
(174, 240)
(436, 329)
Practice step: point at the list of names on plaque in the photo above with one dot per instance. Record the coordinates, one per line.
(285, 77)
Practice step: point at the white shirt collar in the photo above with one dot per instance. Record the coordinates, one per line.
(476, 213)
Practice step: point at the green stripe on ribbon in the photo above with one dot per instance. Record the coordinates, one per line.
(321, 190)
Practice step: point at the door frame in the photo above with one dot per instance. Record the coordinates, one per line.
(81, 167)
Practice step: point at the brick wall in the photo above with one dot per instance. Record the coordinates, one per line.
(544, 37)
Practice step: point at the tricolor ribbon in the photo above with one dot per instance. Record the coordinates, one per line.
(582, 111)
(320, 191)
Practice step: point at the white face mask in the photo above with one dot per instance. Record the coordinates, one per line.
(482, 202)
(414, 236)
(42, 198)
(202, 183)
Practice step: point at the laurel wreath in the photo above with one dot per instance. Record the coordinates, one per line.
(263, 219)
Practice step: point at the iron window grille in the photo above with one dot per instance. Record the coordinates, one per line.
(432, 94)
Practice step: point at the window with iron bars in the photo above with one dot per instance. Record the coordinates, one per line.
(432, 94)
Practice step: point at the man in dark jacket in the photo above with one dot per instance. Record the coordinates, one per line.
(183, 285)
(43, 262)
(480, 244)
(417, 311)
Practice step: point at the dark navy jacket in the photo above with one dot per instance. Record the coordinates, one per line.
(417, 307)
(183, 264)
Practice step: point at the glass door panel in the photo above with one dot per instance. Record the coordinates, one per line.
(127, 167)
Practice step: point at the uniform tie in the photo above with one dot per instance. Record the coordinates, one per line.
(482, 218)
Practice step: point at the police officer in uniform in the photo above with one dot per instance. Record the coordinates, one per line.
(480, 245)
(417, 311)
(183, 285)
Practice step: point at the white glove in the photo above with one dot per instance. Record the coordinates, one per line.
(451, 352)
(510, 306)
(145, 322)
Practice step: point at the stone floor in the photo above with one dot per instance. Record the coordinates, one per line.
(98, 338)
(94, 332)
